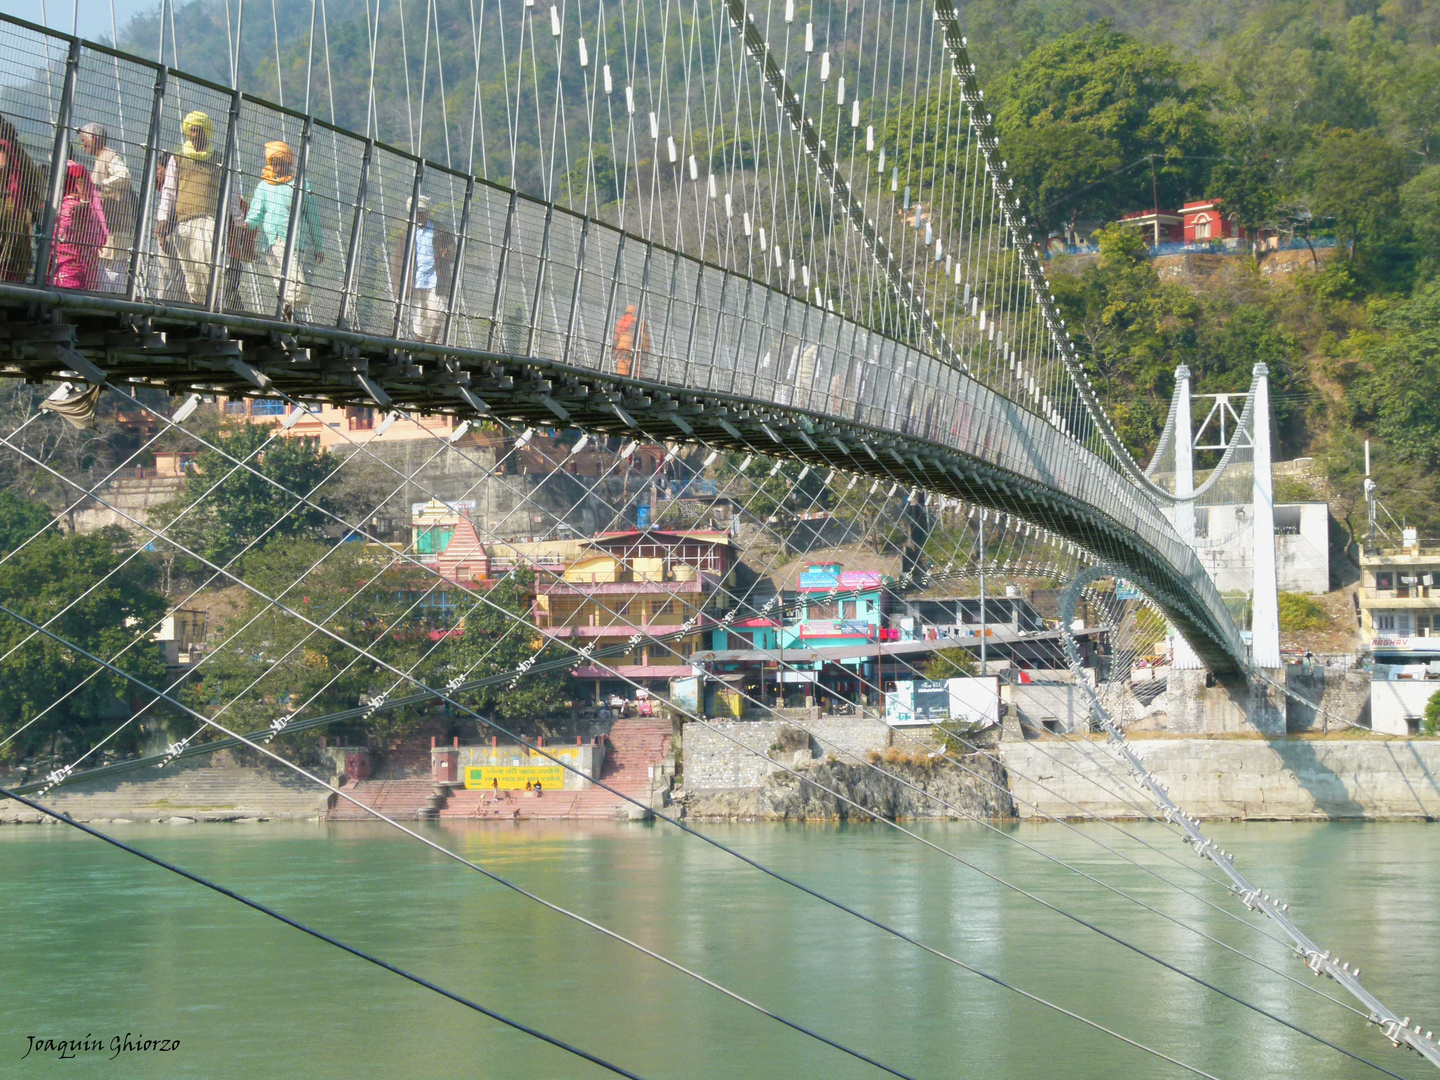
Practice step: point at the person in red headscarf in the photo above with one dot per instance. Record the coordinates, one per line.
(80, 232)
(21, 198)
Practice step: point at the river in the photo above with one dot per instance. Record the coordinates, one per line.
(97, 944)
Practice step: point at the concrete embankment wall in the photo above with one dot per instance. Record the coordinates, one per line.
(1256, 779)
(196, 791)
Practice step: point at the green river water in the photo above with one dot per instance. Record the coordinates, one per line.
(96, 944)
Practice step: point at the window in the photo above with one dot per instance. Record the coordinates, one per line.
(268, 407)
(1384, 620)
(1202, 522)
(1287, 521)
(1422, 625)
(1384, 579)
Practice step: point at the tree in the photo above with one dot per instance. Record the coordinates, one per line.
(498, 637)
(949, 664)
(1124, 102)
(1354, 177)
(41, 581)
(1420, 204)
(1393, 391)
(1133, 329)
(1063, 172)
(20, 519)
(1432, 715)
(1247, 190)
(222, 522)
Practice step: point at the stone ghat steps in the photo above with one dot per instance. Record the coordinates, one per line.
(398, 799)
(635, 745)
(196, 793)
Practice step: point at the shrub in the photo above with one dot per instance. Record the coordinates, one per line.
(1432, 715)
(1301, 612)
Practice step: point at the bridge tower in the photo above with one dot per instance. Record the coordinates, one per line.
(1265, 600)
(1185, 658)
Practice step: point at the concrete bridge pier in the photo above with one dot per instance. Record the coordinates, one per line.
(1231, 705)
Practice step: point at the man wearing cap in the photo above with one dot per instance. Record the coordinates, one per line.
(185, 219)
(431, 264)
(111, 177)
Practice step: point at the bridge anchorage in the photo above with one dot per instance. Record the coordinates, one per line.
(760, 285)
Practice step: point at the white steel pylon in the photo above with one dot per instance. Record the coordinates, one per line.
(1265, 609)
(1184, 658)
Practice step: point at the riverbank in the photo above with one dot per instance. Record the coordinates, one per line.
(1250, 779)
(777, 774)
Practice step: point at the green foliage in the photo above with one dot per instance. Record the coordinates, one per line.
(1420, 207)
(1248, 191)
(1299, 611)
(492, 644)
(1431, 725)
(40, 582)
(1393, 394)
(218, 522)
(949, 664)
(777, 493)
(20, 519)
(1354, 177)
(1096, 100)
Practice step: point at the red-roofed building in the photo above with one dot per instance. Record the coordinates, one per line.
(1205, 221)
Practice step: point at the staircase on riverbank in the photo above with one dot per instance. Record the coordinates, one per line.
(636, 750)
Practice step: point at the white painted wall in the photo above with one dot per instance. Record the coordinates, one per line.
(1391, 702)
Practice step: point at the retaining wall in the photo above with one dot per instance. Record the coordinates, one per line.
(1256, 779)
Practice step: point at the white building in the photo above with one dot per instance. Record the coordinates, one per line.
(1224, 541)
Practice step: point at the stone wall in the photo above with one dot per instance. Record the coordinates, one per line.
(714, 762)
(1256, 779)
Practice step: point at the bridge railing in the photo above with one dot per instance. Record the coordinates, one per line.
(496, 271)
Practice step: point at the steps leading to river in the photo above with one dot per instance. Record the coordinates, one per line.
(634, 747)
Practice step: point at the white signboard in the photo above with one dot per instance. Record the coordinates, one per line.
(961, 701)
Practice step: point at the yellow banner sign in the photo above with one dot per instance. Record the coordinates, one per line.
(513, 777)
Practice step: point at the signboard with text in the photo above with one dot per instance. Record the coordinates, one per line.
(513, 777)
(924, 702)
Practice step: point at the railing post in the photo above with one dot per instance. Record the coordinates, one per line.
(220, 242)
(606, 342)
(347, 285)
(297, 196)
(407, 256)
(462, 237)
(500, 273)
(575, 289)
(540, 279)
(147, 181)
(59, 153)
(640, 311)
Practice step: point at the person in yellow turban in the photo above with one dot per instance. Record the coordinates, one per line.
(189, 198)
(270, 214)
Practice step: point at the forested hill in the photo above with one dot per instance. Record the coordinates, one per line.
(1317, 120)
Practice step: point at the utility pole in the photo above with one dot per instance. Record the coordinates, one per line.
(1369, 499)
(983, 656)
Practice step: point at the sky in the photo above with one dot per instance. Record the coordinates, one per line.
(93, 16)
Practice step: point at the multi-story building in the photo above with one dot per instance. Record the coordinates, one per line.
(626, 589)
(1399, 600)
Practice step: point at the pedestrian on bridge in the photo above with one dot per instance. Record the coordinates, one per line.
(270, 214)
(21, 199)
(119, 199)
(189, 199)
(80, 233)
(632, 343)
(432, 260)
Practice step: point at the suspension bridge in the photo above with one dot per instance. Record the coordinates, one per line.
(739, 233)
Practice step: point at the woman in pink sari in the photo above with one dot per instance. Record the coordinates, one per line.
(80, 232)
